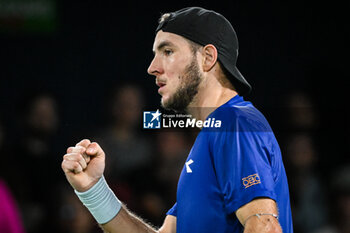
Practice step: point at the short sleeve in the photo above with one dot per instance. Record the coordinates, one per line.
(173, 210)
(242, 161)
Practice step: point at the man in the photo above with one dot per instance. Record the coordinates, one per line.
(234, 178)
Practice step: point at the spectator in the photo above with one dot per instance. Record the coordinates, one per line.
(10, 221)
(301, 112)
(306, 187)
(340, 202)
(172, 148)
(128, 152)
(35, 148)
(303, 164)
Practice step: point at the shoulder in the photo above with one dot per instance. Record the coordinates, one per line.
(243, 116)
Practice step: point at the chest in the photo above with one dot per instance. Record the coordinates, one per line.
(198, 182)
(200, 201)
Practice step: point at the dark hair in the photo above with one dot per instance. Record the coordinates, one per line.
(194, 46)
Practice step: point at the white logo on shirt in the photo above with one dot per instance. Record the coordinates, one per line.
(188, 163)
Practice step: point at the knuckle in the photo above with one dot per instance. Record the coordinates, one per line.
(80, 157)
(80, 149)
(83, 142)
(86, 140)
(95, 144)
(71, 157)
(63, 166)
(69, 149)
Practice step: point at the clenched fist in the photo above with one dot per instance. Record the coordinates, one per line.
(84, 164)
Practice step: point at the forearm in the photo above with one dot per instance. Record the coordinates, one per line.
(126, 221)
(259, 216)
(262, 224)
(109, 212)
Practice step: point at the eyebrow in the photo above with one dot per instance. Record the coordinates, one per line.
(163, 44)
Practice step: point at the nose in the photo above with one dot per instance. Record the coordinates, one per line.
(155, 67)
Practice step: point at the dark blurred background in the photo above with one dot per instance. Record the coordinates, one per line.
(77, 69)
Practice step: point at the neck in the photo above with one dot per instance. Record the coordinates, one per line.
(211, 95)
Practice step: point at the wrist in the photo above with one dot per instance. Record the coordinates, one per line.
(100, 201)
(86, 187)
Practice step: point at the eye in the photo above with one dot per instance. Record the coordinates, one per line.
(168, 52)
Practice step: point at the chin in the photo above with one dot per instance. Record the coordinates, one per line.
(163, 103)
(164, 100)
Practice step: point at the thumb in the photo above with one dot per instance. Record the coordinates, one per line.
(95, 150)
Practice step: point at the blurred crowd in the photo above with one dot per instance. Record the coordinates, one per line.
(142, 166)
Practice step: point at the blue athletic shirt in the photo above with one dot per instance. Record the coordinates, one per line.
(227, 168)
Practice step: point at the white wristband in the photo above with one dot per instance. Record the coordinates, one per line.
(100, 201)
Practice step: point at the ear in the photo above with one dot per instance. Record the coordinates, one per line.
(210, 56)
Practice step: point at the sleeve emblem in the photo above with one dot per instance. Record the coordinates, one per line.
(251, 180)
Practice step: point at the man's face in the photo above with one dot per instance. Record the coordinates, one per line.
(176, 70)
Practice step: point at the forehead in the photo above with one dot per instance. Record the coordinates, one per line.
(169, 39)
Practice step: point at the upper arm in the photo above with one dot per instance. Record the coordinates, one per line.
(252, 176)
(264, 223)
(169, 225)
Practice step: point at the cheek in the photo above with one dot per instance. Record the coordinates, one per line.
(171, 67)
(175, 65)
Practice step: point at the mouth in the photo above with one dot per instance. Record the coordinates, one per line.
(161, 85)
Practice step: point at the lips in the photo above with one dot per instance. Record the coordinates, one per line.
(161, 85)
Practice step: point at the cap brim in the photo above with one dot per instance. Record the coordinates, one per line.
(237, 79)
(243, 87)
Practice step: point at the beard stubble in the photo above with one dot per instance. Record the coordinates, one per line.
(188, 89)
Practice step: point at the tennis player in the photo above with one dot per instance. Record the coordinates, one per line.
(234, 179)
